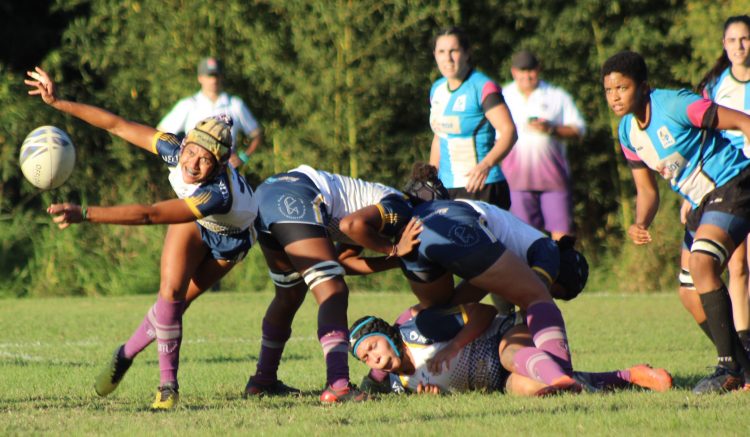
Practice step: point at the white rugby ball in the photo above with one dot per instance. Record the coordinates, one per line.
(47, 157)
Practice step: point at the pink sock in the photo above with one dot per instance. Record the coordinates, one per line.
(168, 326)
(334, 341)
(143, 336)
(547, 328)
(538, 365)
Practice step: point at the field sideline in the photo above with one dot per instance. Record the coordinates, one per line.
(50, 350)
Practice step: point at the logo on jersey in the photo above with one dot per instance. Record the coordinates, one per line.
(665, 137)
(460, 104)
(463, 235)
(291, 207)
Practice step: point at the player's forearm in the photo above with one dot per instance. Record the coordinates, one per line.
(92, 115)
(646, 206)
(132, 215)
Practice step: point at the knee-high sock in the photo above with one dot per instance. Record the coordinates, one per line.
(271, 348)
(718, 308)
(168, 324)
(547, 328)
(538, 365)
(143, 336)
(335, 343)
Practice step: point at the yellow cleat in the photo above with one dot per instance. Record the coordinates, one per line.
(167, 398)
(109, 378)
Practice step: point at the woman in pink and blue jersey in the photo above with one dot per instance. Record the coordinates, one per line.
(466, 110)
(676, 133)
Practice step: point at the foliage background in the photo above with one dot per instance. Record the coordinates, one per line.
(340, 84)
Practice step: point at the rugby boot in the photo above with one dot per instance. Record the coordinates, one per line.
(723, 380)
(350, 393)
(646, 376)
(563, 384)
(278, 388)
(167, 397)
(109, 378)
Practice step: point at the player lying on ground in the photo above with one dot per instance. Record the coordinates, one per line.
(209, 226)
(468, 347)
(677, 134)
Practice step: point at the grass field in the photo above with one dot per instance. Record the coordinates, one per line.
(50, 350)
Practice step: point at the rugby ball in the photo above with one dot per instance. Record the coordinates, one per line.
(47, 157)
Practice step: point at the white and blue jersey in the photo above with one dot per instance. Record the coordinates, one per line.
(732, 93)
(466, 136)
(672, 144)
(308, 196)
(224, 207)
(476, 367)
(526, 242)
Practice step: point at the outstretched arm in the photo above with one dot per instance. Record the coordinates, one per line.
(135, 133)
(166, 212)
(730, 119)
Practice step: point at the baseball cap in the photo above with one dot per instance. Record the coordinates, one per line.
(524, 60)
(209, 66)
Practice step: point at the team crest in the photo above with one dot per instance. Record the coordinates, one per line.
(665, 137)
(463, 235)
(291, 207)
(460, 104)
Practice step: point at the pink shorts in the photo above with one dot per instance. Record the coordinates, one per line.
(544, 210)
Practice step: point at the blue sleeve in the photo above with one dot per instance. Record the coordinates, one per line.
(167, 146)
(676, 106)
(441, 323)
(212, 198)
(395, 212)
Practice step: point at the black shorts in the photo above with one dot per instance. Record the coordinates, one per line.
(496, 193)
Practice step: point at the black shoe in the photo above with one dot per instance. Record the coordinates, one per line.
(278, 388)
(721, 381)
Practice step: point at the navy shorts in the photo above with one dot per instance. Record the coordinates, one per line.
(289, 198)
(231, 248)
(727, 207)
(454, 239)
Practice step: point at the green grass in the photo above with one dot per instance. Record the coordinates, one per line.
(50, 350)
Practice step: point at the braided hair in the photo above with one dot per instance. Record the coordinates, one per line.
(368, 326)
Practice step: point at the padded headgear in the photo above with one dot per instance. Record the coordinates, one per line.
(426, 191)
(370, 325)
(574, 269)
(215, 135)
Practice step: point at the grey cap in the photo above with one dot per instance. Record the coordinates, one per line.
(209, 66)
(524, 60)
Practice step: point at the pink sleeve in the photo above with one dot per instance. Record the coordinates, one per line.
(697, 110)
(490, 88)
(629, 154)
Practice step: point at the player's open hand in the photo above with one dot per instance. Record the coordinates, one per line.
(639, 234)
(430, 389)
(42, 85)
(410, 237)
(65, 214)
(442, 358)
(476, 177)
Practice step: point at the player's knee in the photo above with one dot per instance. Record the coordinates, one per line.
(286, 279)
(706, 257)
(686, 280)
(322, 272)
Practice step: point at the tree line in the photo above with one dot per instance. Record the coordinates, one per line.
(339, 84)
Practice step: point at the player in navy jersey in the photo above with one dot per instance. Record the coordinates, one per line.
(465, 348)
(677, 134)
(466, 110)
(210, 226)
(728, 84)
(301, 214)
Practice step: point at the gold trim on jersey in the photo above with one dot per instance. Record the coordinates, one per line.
(382, 216)
(194, 201)
(155, 140)
(544, 273)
